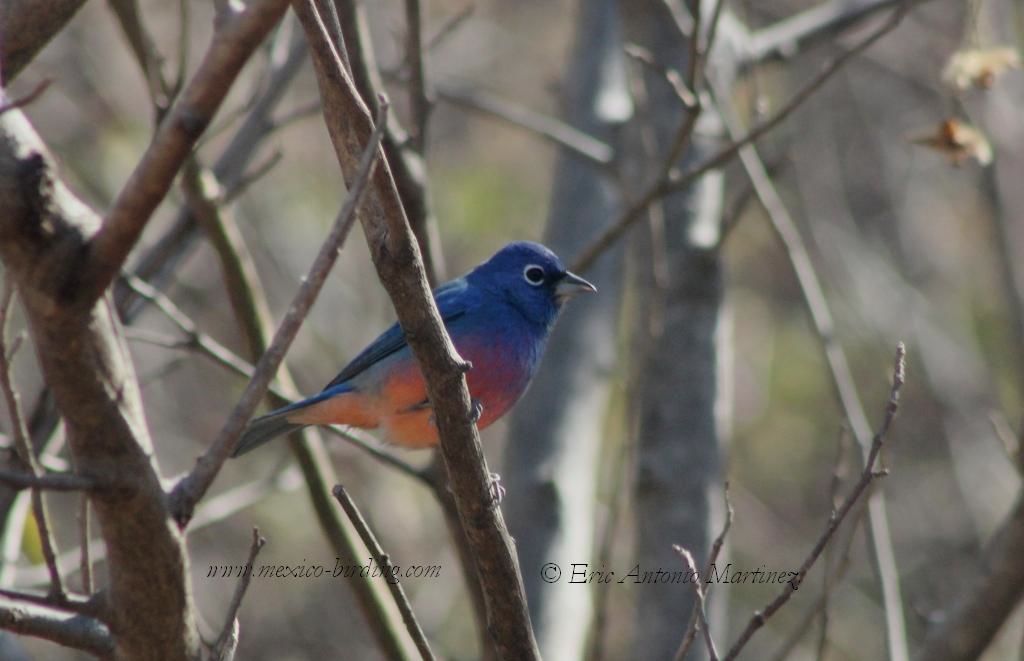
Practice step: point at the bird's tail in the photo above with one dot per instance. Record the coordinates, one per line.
(265, 428)
(281, 421)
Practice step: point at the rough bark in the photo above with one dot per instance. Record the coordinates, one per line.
(400, 269)
(678, 469)
(556, 431)
(85, 361)
(25, 27)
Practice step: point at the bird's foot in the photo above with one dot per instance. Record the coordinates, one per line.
(496, 490)
(477, 410)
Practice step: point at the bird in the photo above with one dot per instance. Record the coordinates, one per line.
(498, 315)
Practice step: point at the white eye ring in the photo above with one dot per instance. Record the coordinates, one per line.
(533, 274)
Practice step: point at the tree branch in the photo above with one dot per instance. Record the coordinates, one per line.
(254, 321)
(157, 263)
(401, 271)
(24, 446)
(46, 481)
(883, 555)
(191, 488)
(867, 476)
(226, 644)
(28, 25)
(557, 132)
(419, 96)
(84, 360)
(407, 166)
(668, 184)
(237, 36)
(71, 630)
(384, 562)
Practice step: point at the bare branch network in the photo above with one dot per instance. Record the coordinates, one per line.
(78, 283)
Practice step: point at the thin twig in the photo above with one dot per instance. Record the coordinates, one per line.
(555, 131)
(192, 487)
(716, 549)
(700, 606)
(19, 430)
(227, 641)
(867, 476)
(419, 94)
(210, 348)
(839, 369)
(26, 99)
(672, 183)
(450, 25)
(646, 57)
(390, 577)
(835, 483)
(85, 563)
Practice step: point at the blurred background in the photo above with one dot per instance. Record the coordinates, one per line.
(910, 243)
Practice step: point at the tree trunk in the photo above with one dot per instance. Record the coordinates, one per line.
(557, 430)
(679, 289)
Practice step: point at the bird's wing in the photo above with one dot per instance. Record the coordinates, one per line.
(453, 299)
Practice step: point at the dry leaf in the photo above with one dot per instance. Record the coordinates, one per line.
(978, 67)
(958, 141)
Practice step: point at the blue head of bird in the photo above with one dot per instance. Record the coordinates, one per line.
(532, 279)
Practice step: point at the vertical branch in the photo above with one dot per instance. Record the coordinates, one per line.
(419, 99)
(676, 402)
(553, 456)
(85, 362)
(19, 430)
(407, 165)
(227, 642)
(400, 269)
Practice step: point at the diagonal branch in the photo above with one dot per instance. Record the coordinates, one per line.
(384, 562)
(670, 183)
(867, 477)
(193, 486)
(553, 130)
(401, 271)
(787, 37)
(253, 316)
(27, 26)
(785, 228)
(238, 35)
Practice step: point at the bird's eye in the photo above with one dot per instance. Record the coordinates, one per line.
(533, 274)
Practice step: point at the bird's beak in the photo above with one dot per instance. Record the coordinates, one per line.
(570, 285)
